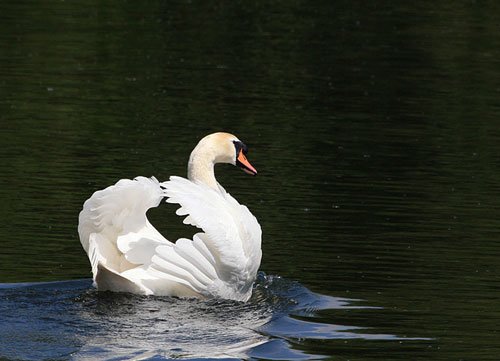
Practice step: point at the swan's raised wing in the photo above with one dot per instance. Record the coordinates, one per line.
(114, 229)
(224, 259)
(128, 254)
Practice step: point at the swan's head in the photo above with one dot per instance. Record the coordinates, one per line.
(241, 157)
(223, 148)
(218, 148)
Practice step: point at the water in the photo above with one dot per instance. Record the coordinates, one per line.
(375, 131)
(63, 319)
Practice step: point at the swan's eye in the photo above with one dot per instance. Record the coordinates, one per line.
(238, 145)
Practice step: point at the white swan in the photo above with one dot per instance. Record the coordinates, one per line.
(128, 254)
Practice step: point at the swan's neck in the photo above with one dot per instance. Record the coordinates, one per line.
(201, 168)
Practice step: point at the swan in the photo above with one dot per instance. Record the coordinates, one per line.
(127, 254)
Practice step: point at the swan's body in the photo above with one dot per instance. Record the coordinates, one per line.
(128, 254)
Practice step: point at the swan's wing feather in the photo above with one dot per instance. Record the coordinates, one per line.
(201, 247)
(231, 239)
(190, 260)
(94, 254)
(128, 254)
(208, 211)
(251, 235)
(104, 277)
(184, 264)
(115, 218)
(121, 207)
(202, 261)
(138, 248)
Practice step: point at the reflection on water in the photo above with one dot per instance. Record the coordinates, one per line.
(60, 319)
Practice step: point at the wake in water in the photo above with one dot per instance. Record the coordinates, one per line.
(71, 320)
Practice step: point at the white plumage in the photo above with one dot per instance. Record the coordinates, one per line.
(128, 254)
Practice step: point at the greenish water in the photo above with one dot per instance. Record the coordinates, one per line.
(375, 129)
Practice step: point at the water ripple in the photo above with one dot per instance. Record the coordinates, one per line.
(61, 319)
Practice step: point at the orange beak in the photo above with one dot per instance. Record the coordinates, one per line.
(244, 164)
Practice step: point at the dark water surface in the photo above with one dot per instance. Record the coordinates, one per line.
(375, 128)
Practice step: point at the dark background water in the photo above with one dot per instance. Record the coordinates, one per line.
(375, 128)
